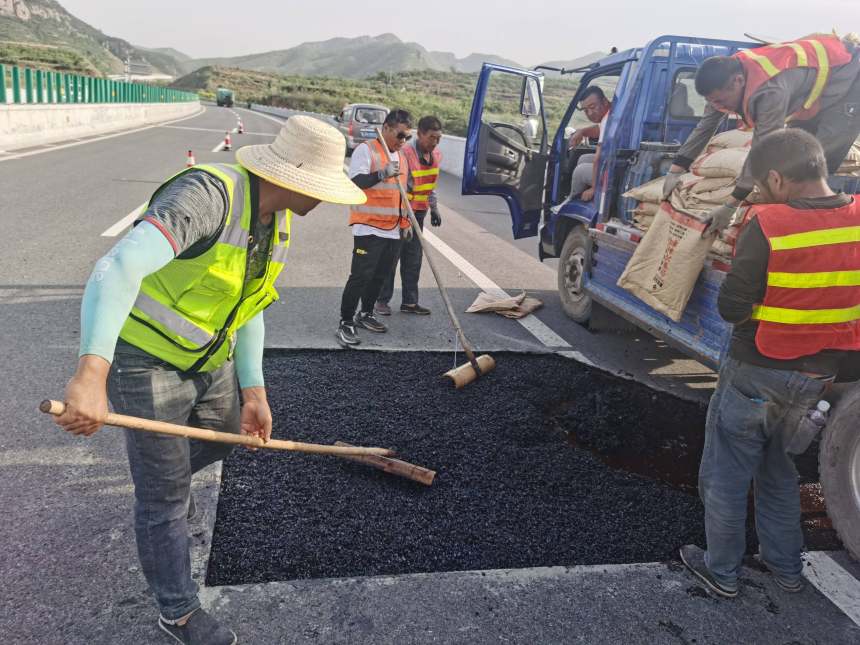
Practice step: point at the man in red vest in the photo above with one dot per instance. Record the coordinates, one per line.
(424, 158)
(793, 296)
(812, 83)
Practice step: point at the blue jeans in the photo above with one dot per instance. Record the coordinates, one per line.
(751, 417)
(161, 466)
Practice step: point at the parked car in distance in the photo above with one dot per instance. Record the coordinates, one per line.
(358, 123)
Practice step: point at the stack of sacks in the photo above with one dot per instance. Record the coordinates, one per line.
(709, 184)
(667, 261)
(851, 165)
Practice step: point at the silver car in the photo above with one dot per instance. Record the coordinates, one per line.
(358, 122)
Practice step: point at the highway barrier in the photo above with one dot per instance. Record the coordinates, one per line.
(22, 85)
(40, 107)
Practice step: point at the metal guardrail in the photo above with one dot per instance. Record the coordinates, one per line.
(22, 85)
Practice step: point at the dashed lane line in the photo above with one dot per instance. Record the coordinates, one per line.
(101, 138)
(125, 222)
(185, 127)
(839, 586)
(220, 146)
(531, 323)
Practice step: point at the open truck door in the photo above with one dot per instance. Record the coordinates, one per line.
(506, 145)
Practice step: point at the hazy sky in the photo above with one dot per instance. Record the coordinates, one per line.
(529, 31)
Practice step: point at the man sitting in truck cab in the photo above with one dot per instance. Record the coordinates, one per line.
(596, 107)
(793, 297)
(812, 83)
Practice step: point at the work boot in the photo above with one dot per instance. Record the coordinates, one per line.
(694, 559)
(199, 629)
(367, 320)
(788, 585)
(347, 334)
(382, 308)
(414, 309)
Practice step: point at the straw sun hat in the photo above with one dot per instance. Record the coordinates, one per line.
(306, 157)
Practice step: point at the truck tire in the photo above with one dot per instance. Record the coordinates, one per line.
(839, 470)
(574, 260)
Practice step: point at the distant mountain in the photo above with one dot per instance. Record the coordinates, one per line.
(360, 57)
(41, 23)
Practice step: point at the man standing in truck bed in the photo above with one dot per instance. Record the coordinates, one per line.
(812, 83)
(794, 299)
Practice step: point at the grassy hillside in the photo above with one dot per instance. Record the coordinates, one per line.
(448, 95)
(46, 23)
(59, 59)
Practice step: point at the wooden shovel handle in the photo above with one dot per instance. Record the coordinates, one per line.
(56, 408)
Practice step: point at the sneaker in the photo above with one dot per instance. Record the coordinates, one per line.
(199, 629)
(694, 559)
(414, 309)
(382, 309)
(347, 334)
(788, 585)
(367, 320)
(192, 508)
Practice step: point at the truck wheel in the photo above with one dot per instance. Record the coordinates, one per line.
(839, 470)
(572, 264)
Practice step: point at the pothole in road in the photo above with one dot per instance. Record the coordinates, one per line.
(544, 462)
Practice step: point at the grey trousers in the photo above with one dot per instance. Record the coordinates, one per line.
(581, 177)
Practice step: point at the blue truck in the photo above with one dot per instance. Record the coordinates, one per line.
(511, 153)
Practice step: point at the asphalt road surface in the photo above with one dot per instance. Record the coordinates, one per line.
(67, 556)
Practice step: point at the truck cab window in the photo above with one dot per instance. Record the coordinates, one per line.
(685, 102)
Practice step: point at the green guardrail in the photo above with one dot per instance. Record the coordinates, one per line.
(25, 85)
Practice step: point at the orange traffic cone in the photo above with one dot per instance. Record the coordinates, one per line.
(227, 143)
(241, 128)
(190, 160)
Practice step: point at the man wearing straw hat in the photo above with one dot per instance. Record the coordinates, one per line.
(172, 318)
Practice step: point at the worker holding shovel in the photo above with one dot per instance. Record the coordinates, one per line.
(172, 315)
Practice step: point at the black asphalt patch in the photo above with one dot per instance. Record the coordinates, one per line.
(537, 466)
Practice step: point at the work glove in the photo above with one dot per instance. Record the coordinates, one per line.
(671, 183)
(718, 219)
(435, 217)
(391, 170)
(406, 234)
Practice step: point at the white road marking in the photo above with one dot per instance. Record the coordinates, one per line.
(125, 222)
(77, 142)
(531, 323)
(266, 116)
(185, 127)
(220, 146)
(840, 587)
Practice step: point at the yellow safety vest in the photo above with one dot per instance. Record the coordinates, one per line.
(187, 313)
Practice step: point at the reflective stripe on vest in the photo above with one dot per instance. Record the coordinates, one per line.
(812, 299)
(382, 209)
(820, 52)
(424, 179)
(187, 313)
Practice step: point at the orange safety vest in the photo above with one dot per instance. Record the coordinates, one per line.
(382, 209)
(812, 300)
(424, 178)
(820, 52)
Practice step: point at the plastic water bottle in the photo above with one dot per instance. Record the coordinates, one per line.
(810, 425)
